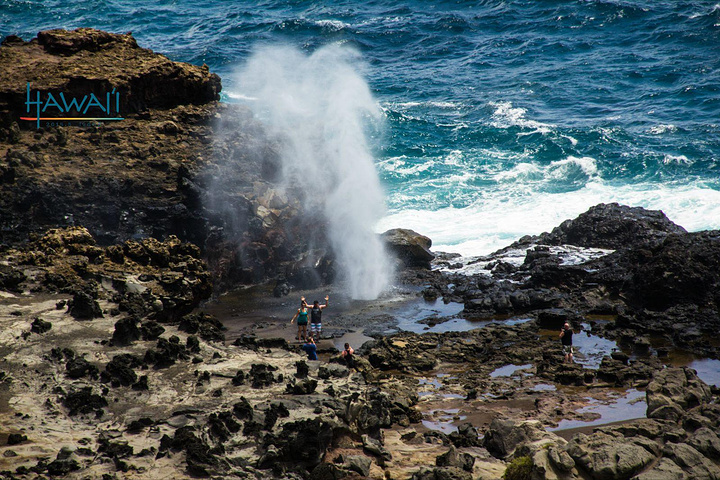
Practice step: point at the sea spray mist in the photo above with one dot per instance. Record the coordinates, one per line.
(321, 109)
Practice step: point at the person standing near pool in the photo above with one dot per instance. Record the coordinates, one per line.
(302, 318)
(566, 335)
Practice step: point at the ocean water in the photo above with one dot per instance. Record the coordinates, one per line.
(499, 118)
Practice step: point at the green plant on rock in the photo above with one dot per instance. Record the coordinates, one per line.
(519, 469)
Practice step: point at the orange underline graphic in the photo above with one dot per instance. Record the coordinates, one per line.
(68, 118)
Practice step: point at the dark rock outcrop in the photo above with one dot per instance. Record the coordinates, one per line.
(126, 331)
(40, 326)
(612, 226)
(302, 442)
(121, 370)
(84, 307)
(84, 401)
(80, 68)
(411, 248)
(205, 326)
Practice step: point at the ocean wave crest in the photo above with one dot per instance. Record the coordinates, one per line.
(506, 115)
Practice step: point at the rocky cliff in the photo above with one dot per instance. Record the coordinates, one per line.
(180, 163)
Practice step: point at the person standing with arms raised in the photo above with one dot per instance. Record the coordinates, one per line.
(316, 317)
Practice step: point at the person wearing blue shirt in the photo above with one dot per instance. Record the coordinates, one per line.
(311, 349)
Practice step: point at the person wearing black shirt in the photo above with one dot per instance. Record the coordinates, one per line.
(316, 317)
(566, 335)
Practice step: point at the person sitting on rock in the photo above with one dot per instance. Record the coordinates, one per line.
(566, 335)
(302, 318)
(348, 356)
(316, 317)
(311, 349)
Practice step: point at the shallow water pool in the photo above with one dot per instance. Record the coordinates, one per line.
(508, 370)
(629, 406)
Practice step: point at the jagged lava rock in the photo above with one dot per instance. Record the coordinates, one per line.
(612, 226)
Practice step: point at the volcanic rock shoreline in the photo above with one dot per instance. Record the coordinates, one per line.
(114, 235)
(180, 163)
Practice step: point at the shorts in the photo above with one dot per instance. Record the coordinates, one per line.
(568, 349)
(302, 324)
(315, 327)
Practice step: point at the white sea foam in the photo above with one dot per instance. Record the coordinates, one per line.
(660, 129)
(400, 166)
(522, 171)
(573, 140)
(505, 116)
(501, 217)
(677, 160)
(454, 157)
(704, 13)
(568, 255)
(587, 165)
(558, 170)
(415, 104)
(332, 25)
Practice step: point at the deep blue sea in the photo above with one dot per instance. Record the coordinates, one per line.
(500, 118)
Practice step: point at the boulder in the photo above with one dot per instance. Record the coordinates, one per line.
(10, 277)
(78, 367)
(548, 464)
(560, 459)
(505, 436)
(411, 248)
(673, 391)
(304, 386)
(694, 463)
(84, 401)
(151, 330)
(16, 438)
(706, 441)
(205, 326)
(441, 473)
(302, 442)
(261, 375)
(452, 458)
(664, 469)
(167, 352)
(607, 457)
(126, 331)
(358, 463)
(465, 436)
(84, 307)
(332, 371)
(372, 445)
(120, 370)
(40, 326)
